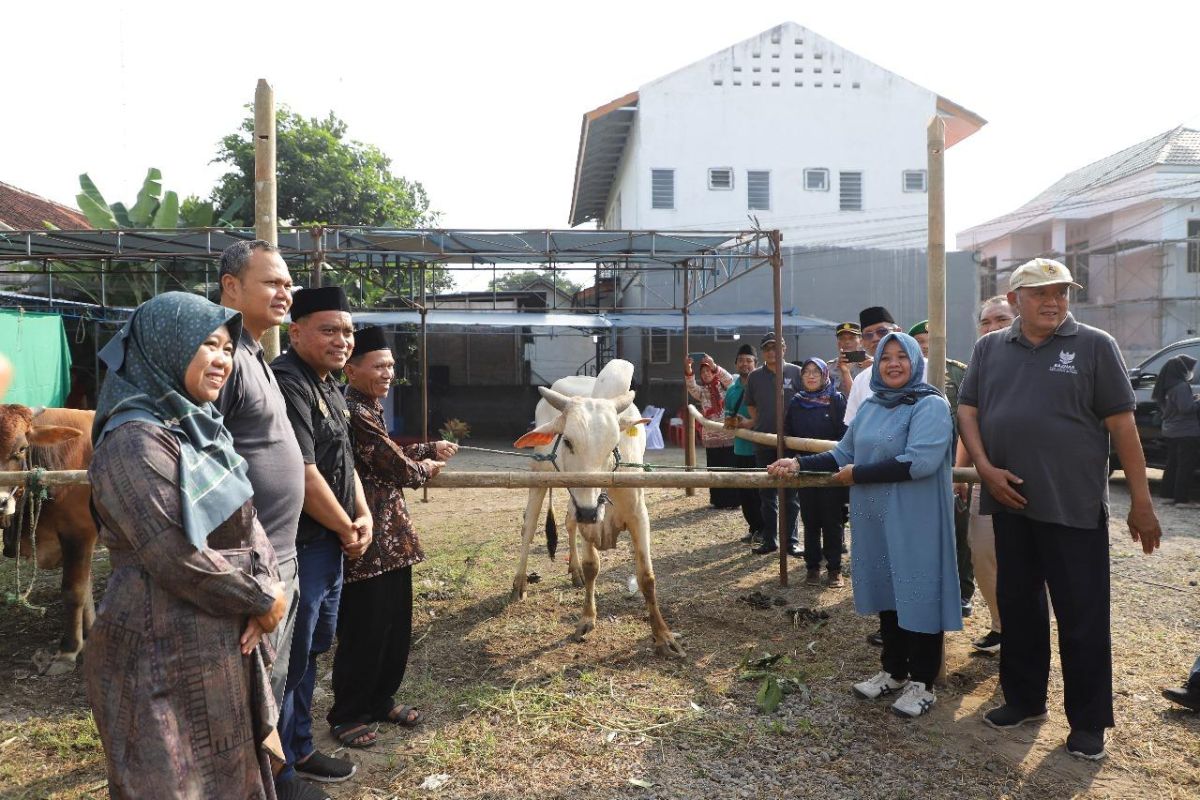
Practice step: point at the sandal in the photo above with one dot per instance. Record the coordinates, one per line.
(349, 734)
(403, 716)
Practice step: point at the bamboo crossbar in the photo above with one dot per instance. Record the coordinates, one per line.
(667, 479)
(961, 474)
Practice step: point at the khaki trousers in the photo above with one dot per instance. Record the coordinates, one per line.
(982, 541)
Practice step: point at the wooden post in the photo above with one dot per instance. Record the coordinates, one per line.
(424, 374)
(781, 518)
(689, 429)
(936, 272)
(266, 219)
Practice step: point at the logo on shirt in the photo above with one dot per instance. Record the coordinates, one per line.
(787, 383)
(1066, 363)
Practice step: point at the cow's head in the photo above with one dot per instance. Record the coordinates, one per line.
(591, 429)
(18, 433)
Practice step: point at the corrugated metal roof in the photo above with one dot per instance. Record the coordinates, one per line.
(602, 140)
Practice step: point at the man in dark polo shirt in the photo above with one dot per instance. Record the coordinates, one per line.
(335, 519)
(760, 404)
(255, 281)
(1037, 407)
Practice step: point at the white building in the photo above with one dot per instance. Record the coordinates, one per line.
(786, 127)
(1128, 226)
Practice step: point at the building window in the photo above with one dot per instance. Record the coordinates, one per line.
(816, 180)
(720, 178)
(850, 191)
(914, 180)
(1193, 245)
(660, 346)
(1077, 262)
(662, 188)
(758, 190)
(987, 279)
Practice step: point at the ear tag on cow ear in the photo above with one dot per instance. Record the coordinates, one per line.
(632, 432)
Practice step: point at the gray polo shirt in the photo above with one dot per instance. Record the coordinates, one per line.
(256, 416)
(760, 393)
(1041, 415)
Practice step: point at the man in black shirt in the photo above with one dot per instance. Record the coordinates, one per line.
(335, 519)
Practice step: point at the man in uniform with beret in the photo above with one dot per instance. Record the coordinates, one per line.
(375, 619)
(955, 372)
(1039, 403)
(335, 519)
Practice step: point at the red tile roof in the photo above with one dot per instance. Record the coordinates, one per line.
(22, 211)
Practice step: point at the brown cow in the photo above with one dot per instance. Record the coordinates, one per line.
(54, 439)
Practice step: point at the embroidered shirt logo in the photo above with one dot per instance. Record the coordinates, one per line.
(1066, 363)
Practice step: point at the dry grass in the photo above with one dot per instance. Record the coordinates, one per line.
(517, 709)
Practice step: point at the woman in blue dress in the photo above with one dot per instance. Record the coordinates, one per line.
(896, 457)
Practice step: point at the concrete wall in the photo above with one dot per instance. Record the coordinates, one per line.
(850, 116)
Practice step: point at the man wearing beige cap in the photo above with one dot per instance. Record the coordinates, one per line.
(1040, 400)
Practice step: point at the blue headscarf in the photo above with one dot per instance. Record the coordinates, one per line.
(146, 363)
(910, 392)
(821, 397)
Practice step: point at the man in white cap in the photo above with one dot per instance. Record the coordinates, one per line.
(1040, 400)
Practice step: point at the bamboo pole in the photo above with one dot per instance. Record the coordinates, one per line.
(936, 272)
(266, 218)
(781, 516)
(689, 430)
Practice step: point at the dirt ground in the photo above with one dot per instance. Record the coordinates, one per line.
(516, 708)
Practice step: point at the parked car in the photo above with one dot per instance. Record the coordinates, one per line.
(1146, 414)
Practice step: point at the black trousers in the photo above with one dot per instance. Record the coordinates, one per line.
(908, 654)
(821, 513)
(374, 632)
(718, 497)
(1073, 563)
(966, 572)
(1182, 456)
(769, 504)
(751, 504)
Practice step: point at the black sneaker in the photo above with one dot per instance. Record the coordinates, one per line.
(967, 607)
(989, 644)
(795, 552)
(875, 638)
(1086, 744)
(750, 537)
(1187, 696)
(1007, 716)
(764, 548)
(326, 769)
(295, 789)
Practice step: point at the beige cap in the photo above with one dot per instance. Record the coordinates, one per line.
(1040, 272)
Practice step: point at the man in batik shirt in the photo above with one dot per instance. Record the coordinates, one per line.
(375, 618)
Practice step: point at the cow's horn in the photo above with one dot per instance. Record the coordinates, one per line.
(624, 401)
(559, 401)
(37, 410)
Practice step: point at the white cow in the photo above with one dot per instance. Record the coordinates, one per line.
(590, 418)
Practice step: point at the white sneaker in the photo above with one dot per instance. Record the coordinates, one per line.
(915, 701)
(879, 686)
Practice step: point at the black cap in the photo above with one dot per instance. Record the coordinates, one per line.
(873, 316)
(747, 350)
(767, 339)
(325, 298)
(368, 339)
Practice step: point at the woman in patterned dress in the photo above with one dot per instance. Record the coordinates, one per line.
(176, 671)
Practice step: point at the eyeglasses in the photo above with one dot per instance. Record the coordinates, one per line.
(871, 336)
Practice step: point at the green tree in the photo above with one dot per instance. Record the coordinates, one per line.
(325, 178)
(322, 177)
(517, 281)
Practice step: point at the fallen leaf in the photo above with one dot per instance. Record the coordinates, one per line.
(639, 782)
(434, 782)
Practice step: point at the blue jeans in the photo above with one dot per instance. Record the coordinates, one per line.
(320, 571)
(770, 505)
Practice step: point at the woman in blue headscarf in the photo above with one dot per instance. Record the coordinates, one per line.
(817, 411)
(175, 666)
(896, 458)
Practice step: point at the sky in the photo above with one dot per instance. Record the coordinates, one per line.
(482, 102)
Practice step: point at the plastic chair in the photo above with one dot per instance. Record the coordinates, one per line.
(654, 437)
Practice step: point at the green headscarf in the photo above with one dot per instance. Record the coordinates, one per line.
(146, 363)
